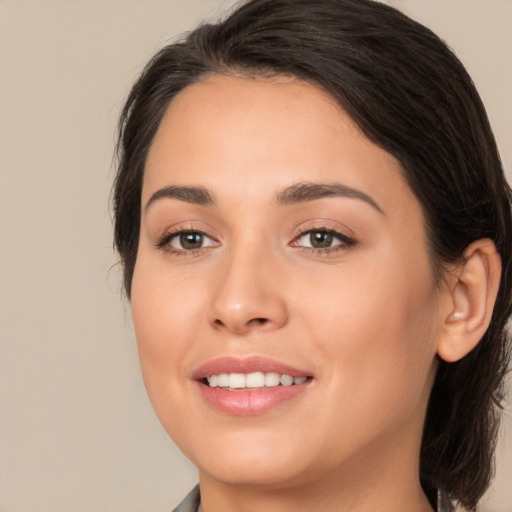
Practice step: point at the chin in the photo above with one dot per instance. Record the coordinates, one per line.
(249, 459)
(270, 474)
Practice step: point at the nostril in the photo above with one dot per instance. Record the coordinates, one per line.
(259, 321)
(252, 322)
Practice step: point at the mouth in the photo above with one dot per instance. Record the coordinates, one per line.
(247, 387)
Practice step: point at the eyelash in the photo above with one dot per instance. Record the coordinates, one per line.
(346, 242)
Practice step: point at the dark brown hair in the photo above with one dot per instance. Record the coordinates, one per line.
(411, 96)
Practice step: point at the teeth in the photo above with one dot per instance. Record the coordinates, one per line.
(272, 379)
(236, 380)
(253, 380)
(223, 380)
(286, 380)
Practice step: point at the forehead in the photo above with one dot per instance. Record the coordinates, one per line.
(263, 134)
(249, 116)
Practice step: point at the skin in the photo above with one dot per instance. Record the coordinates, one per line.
(364, 318)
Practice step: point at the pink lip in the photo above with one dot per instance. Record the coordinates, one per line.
(248, 402)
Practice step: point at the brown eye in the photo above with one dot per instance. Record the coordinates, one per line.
(323, 240)
(190, 241)
(320, 239)
(186, 241)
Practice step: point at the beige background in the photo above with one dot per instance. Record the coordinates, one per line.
(76, 430)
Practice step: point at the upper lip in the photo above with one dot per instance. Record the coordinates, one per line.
(229, 364)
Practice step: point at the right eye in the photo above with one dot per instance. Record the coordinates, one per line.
(182, 242)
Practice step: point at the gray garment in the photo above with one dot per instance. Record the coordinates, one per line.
(191, 501)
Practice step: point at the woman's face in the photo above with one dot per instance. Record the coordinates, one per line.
(277, 240)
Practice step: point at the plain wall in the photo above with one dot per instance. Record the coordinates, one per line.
(77, 432)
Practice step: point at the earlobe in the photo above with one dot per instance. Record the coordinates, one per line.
(472, 288)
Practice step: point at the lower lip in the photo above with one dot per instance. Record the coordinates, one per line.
(252, 401)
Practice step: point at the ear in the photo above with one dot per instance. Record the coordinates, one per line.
(472, 288)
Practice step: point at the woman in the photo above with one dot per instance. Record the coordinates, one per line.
(315, 233)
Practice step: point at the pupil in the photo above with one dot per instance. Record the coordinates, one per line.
(191, 240)
(320, 239)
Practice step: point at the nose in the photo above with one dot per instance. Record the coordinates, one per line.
(248, 295)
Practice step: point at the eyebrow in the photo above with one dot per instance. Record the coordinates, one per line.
(306, 191)
(294, 194)
(194, 195)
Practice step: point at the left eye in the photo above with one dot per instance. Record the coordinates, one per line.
(190, 240)
(322, 239)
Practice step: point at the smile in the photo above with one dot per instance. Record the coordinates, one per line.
(249, 386)
(254, 380)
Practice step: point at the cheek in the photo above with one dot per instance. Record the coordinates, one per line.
(378, 328)
(164, 315)
(165, 302)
